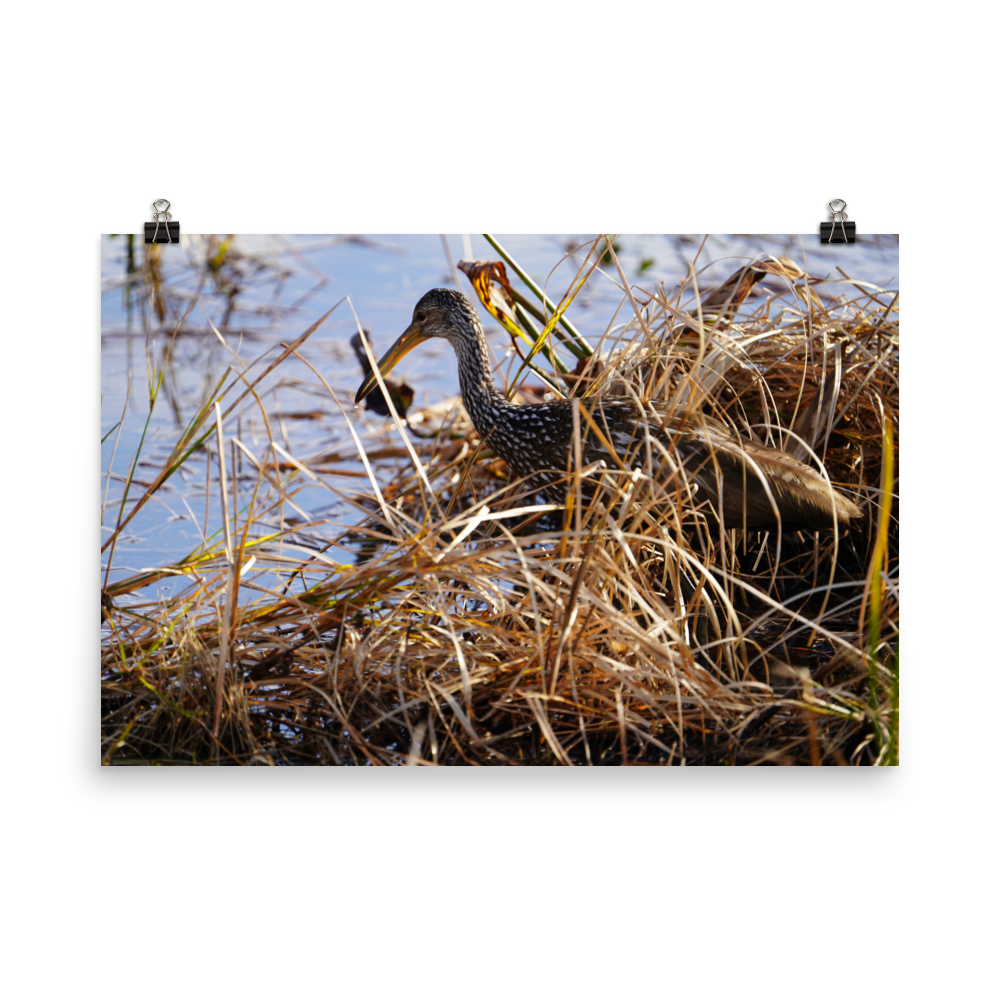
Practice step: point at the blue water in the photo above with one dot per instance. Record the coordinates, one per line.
(298, 278)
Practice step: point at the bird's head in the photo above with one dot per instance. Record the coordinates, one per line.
(440, 313)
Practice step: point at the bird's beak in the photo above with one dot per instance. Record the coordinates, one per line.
(410, 338)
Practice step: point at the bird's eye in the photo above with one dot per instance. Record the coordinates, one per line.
(420, 317)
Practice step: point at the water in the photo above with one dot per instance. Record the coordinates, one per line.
(286, 284)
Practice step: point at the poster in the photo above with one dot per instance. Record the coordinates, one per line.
(290, 578)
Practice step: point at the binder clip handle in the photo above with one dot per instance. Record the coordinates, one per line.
(170, 232)
(827, 230)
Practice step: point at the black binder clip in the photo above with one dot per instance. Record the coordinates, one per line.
(161, 229)
(828, 230)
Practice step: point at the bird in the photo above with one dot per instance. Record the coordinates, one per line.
(400, 392)
(733, 480)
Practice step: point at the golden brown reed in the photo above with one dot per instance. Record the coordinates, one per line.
(460, 625)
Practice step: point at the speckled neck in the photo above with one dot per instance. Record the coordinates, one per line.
(483, 401)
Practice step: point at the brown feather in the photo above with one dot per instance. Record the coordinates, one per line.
(749, 484)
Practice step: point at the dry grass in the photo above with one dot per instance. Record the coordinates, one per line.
(459, 625)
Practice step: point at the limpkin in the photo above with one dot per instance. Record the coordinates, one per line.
(753, 486)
